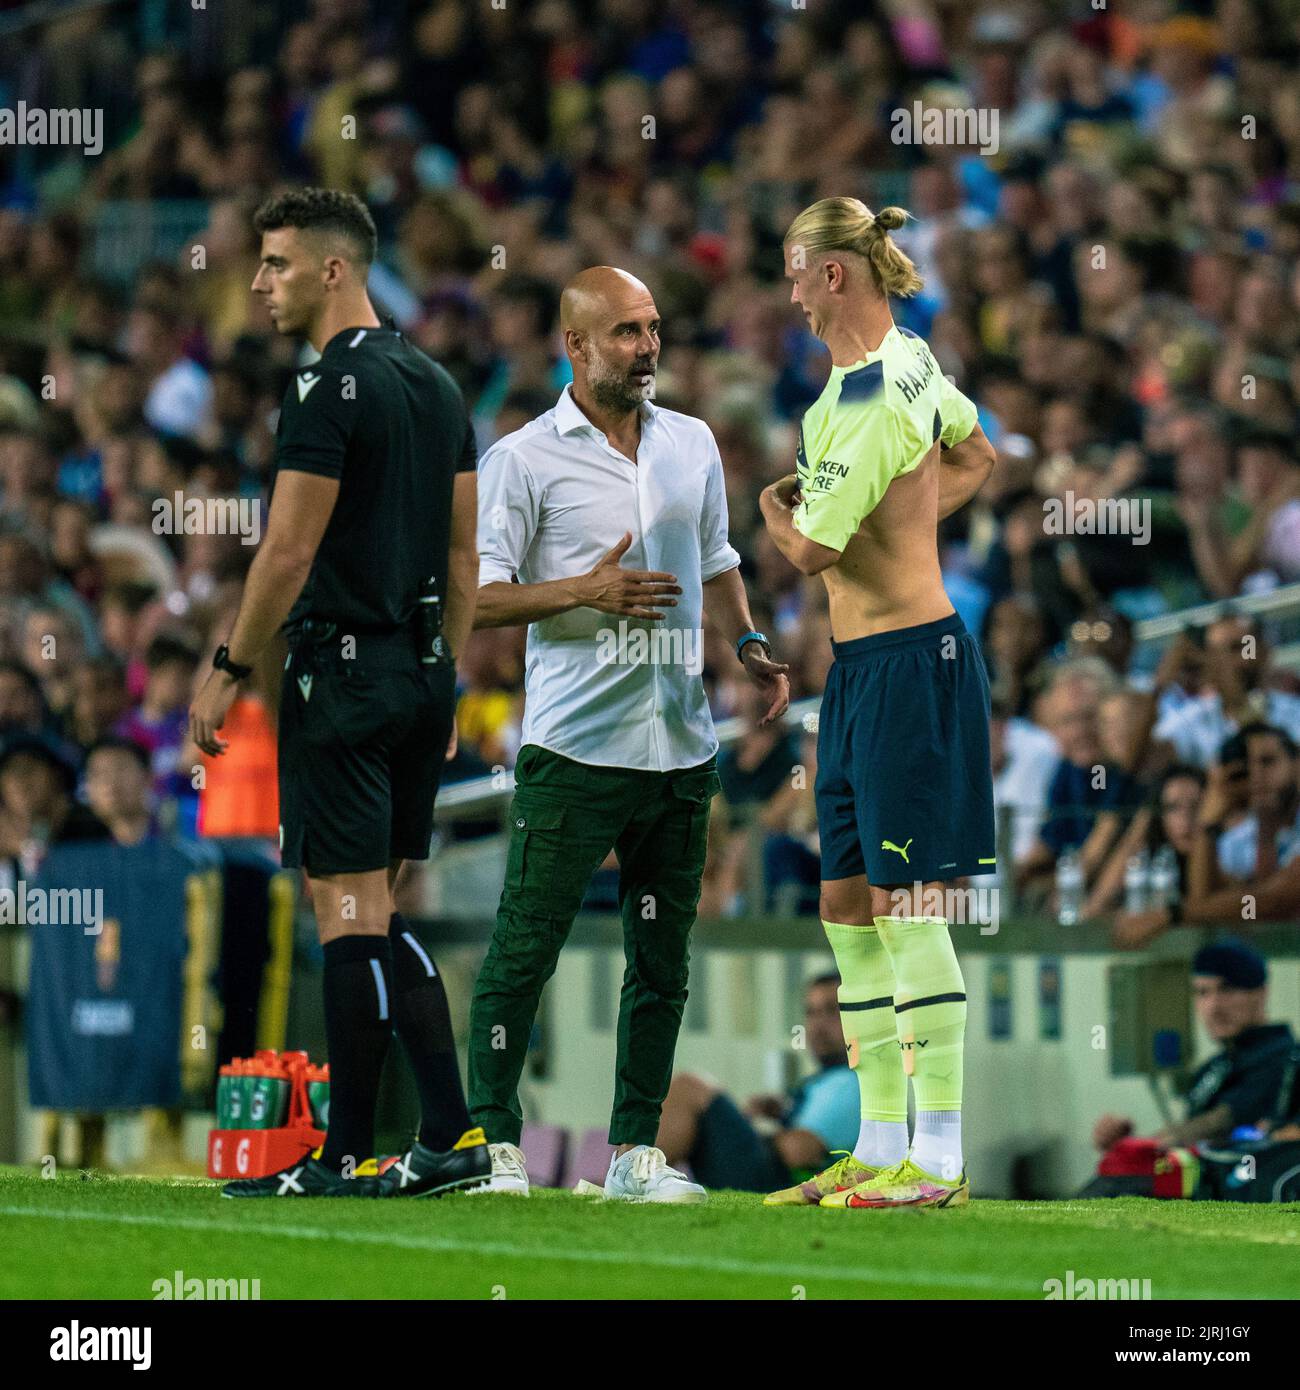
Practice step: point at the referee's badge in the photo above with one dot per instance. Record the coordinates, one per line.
(304, 684)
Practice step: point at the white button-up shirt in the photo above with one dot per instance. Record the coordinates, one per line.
(554, 497)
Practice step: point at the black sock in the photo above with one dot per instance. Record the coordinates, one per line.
(358, 1025)
(423, 1023)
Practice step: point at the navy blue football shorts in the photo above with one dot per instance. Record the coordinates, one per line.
(904, 782)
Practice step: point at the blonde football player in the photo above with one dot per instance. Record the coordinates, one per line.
(904, 788)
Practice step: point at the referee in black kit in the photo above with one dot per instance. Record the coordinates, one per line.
(369, 562)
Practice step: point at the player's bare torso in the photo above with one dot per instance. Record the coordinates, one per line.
(888, 576)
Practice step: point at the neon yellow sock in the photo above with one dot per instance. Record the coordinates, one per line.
(867, 1016)
(930, 1007)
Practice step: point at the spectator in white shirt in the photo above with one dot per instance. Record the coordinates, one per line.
(1263, 848)
(1025, 758)
(179, 398)
(1234, 693)
(1268, 836)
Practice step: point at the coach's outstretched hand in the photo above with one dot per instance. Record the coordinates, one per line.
(209, 710)
(609, 588)
(770, 677)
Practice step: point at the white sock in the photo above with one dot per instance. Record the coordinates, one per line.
(936, 1146)
(881, 1143)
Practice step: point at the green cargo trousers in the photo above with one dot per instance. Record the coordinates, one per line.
(565, 818)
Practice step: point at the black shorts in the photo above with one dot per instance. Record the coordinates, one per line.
(362, 747)
(904, 778)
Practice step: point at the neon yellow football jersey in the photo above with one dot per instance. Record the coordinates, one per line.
(875, 421)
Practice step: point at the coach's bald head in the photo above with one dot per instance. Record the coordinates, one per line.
(596, 292)
(611, 336)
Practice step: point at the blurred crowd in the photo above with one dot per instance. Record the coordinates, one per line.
(1116, 285)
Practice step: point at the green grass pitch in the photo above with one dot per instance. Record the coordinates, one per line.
(98, 1237)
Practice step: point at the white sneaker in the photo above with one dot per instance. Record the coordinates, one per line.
(508, 1172)
(643, 1175)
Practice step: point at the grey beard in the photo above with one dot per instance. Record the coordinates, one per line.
(616, 394)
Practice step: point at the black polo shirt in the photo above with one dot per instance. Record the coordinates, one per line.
(391, 426)
(1247, 1076)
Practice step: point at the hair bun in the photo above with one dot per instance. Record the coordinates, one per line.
(889, 219)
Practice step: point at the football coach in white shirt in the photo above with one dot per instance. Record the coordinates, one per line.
(618, 748)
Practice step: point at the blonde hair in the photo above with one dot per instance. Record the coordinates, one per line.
(845, 224)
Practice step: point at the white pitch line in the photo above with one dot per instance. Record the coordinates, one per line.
(1106, 1221)
(951, 1279)
(442, 1244)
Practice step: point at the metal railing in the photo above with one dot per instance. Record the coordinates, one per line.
(1279, 603)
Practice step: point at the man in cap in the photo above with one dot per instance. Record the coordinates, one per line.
(1239, 1085)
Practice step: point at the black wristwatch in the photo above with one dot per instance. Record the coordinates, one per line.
(222, 662)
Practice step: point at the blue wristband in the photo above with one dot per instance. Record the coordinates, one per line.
(751, 637)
